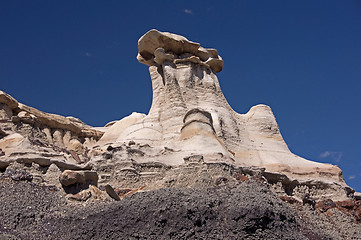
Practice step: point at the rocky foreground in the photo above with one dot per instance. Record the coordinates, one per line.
(192, 168)
(244, 210)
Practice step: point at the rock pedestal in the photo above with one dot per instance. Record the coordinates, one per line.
(190, 115)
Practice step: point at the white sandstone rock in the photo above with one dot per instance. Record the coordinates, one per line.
(116, 129)
(183, 79)
(11, 142)
(157, 47)
(190, 131)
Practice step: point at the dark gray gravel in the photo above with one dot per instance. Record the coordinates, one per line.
(248, 210)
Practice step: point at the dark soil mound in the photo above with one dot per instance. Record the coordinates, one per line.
(248, 210)
(25, 209)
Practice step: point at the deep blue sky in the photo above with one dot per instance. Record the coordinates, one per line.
(302, 58)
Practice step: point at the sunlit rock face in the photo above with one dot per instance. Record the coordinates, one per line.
(190, 116)
(191, 136)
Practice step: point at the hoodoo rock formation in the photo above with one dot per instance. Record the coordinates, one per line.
(190, 139)
(190, 116)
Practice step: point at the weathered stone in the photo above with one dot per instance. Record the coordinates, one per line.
(80, 196)
(27, 117)
(8, 100)
(97, 193)
(11, 142)
(190, 115)
(5, 112)
(161, 56)
(110, 190)
(58, 138)
(307, 199)
(75, 156)
(116, 129)
(60, 122)
(157, 47)
(51, 177)
(190, 131)
(288, 199)
(352, 207)
(48, 135)
(348, 204)
(69, 177)
(66, 139)
(323, 206)
(76, 146)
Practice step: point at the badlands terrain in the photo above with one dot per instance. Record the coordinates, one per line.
(192, 168)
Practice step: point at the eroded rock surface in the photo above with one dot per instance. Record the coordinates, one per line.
(189, 144)
(190, 116)
(28, 136)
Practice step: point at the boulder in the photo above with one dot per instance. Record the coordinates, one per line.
(70, 177)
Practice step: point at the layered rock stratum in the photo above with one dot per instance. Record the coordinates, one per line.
(240, 178)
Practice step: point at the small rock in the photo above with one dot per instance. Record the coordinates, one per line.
(110, 190)
(323, 206)
(220, 180)
(75, 156)
(307, 199)
(288, 199)
(81, 196)
(241, 177)
(96, 192)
